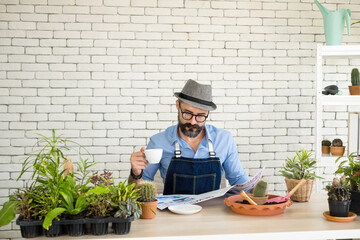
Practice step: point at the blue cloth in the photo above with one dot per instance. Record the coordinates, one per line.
(224, 147)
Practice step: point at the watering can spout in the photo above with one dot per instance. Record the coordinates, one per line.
(323, 10)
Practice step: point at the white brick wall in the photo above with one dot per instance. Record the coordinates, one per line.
(103, 73)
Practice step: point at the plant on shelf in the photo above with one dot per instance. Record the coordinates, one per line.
(325, 146)
(259, 195)
(338, 198)
(147, 191)
(337, 148)
(301, 166)
(350, 168)
(355, 82)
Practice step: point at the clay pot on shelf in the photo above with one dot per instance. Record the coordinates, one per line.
(325, 149)
(337, 151)
(354, 90)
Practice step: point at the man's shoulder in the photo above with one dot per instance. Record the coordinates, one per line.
(216, 132)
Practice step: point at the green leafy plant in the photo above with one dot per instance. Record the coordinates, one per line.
(350, 168)
(50, 189)
(124, 200)
(301, 166)
(325, 143)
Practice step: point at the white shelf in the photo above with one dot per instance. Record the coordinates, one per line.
(342, 50)
(340, 100)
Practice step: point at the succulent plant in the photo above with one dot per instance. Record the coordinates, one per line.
(338, 191)
(337, 143)
(260, 189)
(147, 191)
(325, 143)
(355, 79)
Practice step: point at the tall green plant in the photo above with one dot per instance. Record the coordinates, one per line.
(301, 166)
(350, 168)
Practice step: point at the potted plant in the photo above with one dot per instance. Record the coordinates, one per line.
(350, 168)
(337, 148)
(126, 207)
(325, 146)
(355, 82)
(338, 198)
(46, 193)
(301, 166)
(147, 192)
(259, 195)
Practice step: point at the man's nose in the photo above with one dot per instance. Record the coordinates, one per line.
(193, 120)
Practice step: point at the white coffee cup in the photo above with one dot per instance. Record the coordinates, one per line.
(153, 155)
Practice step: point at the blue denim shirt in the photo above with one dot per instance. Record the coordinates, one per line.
(224, 147)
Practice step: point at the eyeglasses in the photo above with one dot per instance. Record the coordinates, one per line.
(189, 116)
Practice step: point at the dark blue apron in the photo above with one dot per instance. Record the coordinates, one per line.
(192, 175)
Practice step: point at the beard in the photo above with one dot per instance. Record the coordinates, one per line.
(190, 130)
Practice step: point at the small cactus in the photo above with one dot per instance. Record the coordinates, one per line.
(355, 79)
(337, 191)
(147, 191)
(260, 189)
(325, 143)
(337, 143)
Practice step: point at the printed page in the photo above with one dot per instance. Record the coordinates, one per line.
(165, 201)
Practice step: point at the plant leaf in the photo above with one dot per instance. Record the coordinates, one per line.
(7, 213)
(51, 215)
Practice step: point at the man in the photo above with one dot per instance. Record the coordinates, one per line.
(194, 154)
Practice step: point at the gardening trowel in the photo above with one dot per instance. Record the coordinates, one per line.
(283, 199)
(242, 193)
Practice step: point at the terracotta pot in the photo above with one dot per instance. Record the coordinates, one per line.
(259, 200)
(303, 194)
(256, 210)
(148, 209)
(354, 90)
(325, 149)
(337, 151)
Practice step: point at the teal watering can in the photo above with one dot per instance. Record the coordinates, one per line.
(334, 23)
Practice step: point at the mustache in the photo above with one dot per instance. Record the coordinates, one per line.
(192, 127)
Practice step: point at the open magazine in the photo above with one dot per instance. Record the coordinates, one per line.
(165, 201)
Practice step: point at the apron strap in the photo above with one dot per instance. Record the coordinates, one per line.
(177, 152)
(212, 154)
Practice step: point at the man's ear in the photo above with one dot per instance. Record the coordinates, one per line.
(177, 104)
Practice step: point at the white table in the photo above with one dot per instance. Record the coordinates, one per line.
(217, 221)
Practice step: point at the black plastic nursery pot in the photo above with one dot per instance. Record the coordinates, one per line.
(55, 230)
(339, 208)
(30, 228)
(99, 225)
(355, 202)
(122, 226)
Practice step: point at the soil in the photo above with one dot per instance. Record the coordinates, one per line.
(246, 202)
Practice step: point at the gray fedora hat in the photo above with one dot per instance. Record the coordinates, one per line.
(197, 95)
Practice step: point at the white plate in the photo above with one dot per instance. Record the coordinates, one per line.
(185, 209)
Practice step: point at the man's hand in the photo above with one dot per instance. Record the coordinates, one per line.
(138, 161)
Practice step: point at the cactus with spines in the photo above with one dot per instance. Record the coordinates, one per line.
(337, 191)
(337, 142)
(325, 143)
(355, 78)
(260, 189)
(147, 191)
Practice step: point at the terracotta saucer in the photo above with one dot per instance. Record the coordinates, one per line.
(350, 217)
(256, 210)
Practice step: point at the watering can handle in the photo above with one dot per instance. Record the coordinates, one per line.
(347, 18)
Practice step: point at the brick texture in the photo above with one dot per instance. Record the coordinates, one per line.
(103, 73)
